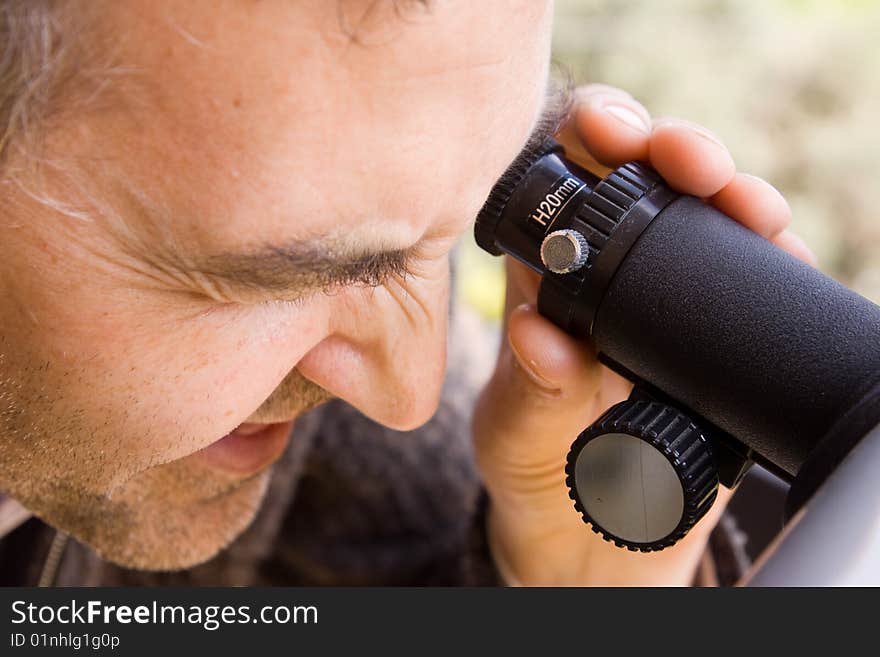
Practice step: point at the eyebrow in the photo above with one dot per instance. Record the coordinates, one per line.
(299, 267)
(305, 266)
(558, 104)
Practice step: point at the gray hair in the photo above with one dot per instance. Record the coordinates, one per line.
(31, 63)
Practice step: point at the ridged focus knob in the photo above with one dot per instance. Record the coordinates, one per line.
(642, 475)
(564, 251)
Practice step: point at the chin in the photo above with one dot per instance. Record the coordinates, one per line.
(160, 537)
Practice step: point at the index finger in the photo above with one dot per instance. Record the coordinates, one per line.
(613, 126)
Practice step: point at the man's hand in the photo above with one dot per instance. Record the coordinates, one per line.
(548, 386)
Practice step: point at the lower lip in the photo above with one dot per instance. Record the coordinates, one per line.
(245, 453)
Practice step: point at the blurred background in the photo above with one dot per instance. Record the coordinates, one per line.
(791, 86)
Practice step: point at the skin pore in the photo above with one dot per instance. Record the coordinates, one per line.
(254, 214)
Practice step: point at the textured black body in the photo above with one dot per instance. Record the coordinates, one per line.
(767, 348)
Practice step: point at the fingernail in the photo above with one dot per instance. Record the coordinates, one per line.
(531, 370)
(627, 116)
(705, 134)
(693, 127)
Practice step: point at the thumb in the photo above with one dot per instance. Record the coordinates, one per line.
(542, 394)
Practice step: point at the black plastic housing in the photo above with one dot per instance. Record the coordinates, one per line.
(765, 347)
(778, 362)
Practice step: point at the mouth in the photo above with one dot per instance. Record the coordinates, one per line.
(249, 448)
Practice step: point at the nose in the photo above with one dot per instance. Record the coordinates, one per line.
(386, 360)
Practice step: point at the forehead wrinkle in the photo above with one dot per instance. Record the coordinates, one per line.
(355, 17)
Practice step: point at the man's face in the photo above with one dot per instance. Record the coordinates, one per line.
(252, 212)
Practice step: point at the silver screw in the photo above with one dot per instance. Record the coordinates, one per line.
(564, 251)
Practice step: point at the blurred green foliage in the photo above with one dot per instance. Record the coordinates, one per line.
(791, 86)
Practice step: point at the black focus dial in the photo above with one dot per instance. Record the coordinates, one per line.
(642, 475)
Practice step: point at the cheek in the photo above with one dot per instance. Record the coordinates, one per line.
(159, 390)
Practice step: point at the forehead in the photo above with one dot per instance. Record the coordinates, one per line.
(268, 120)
